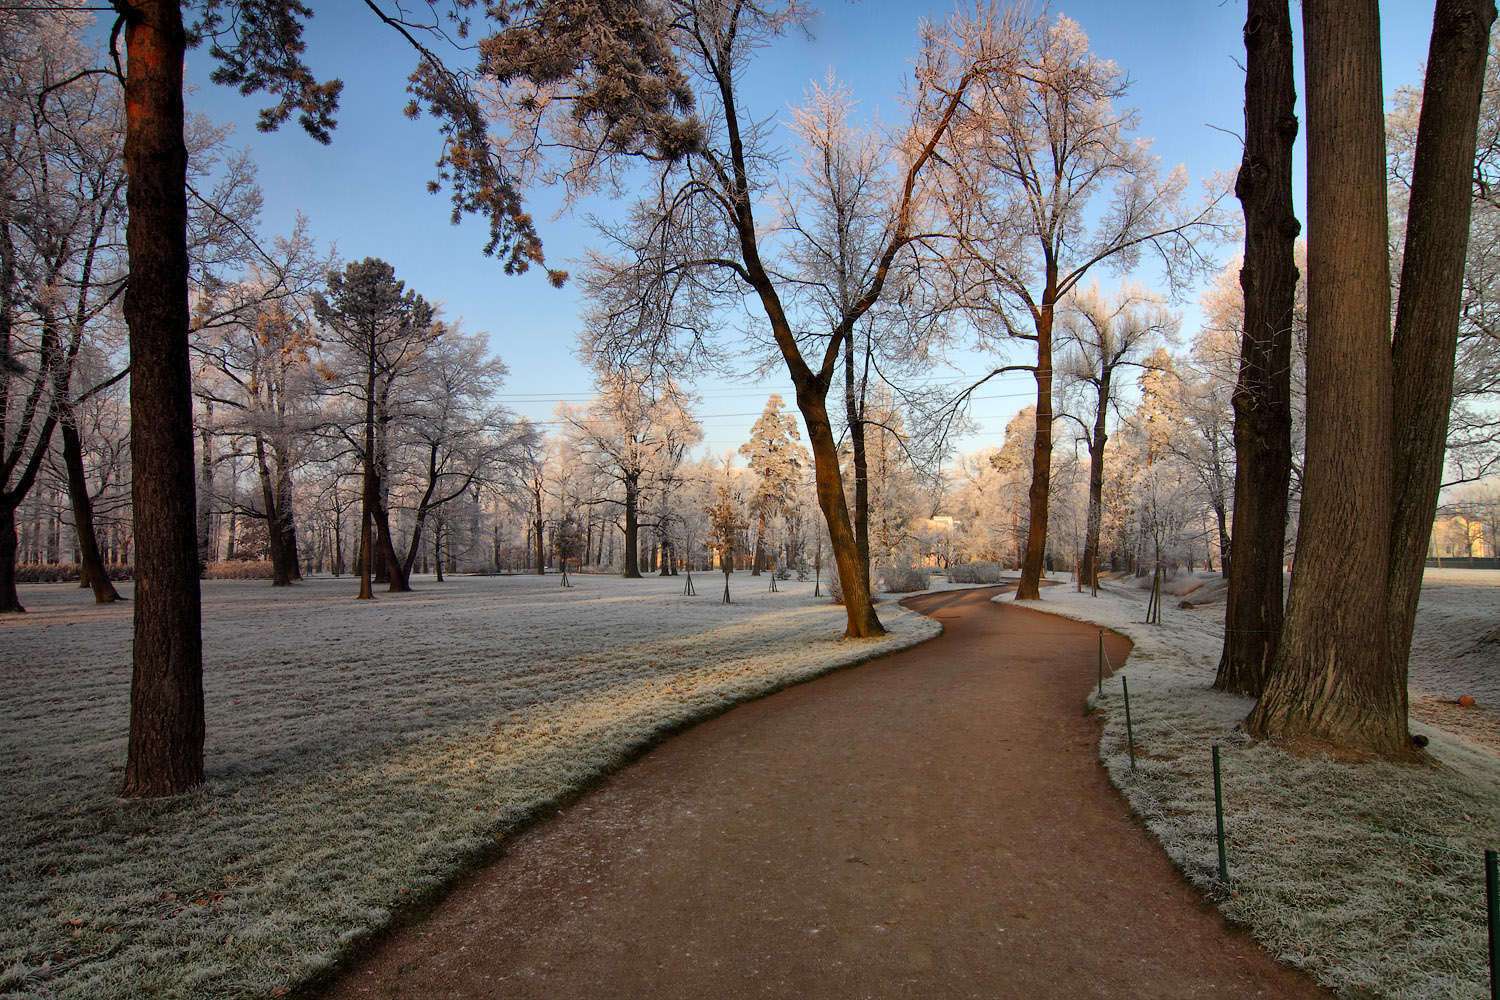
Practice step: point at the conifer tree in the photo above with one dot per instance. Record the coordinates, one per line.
(777, 458)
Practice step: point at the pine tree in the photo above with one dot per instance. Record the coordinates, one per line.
(777, 458)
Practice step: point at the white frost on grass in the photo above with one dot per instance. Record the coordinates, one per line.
(359, 755)
(1370, 876)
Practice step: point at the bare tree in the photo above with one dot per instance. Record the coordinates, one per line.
(259, 380)
(697, 242)
(61, 206)
(1099, 337)
(1029, 162)
(635, 432)
(524, 486)
(837, 213)
(455, 436)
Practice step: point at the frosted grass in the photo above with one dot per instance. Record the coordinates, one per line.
(359, 755)
(1369, 875)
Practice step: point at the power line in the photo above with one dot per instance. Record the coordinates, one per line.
(700, 417)
(584, 396)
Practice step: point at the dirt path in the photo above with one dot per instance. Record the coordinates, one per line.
(932, 824)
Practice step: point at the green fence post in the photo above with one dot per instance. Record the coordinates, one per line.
(1219, 816)
(1101, 663)
(1492, 898)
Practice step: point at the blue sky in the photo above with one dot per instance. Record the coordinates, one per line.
(366, 192)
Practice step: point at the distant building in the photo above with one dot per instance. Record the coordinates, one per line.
(936, 537)
(1459, 536)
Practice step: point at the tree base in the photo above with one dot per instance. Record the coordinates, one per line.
(1307, 745)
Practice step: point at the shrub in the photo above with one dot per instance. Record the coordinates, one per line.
(239, 569)
(977, 572)
(835, 588)
(62, 573)
(903, 579)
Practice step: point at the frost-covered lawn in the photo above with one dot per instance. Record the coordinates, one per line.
(359, 755)
(1370, 876)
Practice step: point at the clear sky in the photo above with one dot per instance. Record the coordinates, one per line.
(366, 192)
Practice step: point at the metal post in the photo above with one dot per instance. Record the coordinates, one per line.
(1219, 816)
(1101, 663)
(1492, 898)
(1129, 729)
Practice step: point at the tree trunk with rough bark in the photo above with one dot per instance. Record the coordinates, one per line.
(1427, 315)
(1334, 680)
(286, 518)
(90, 562)
(369, 487)
(1088, 571)
(1034, 561)
(275, 537)
(632, 527)
(1263, 395)
(165, 746)
(385, 547)
(859, 457)
(1221, 516)
(205, 491)
(854, 572)
(10, 600)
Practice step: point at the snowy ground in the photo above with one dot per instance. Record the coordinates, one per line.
(359, 755)
(1370, 876)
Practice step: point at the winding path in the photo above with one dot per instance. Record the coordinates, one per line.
(930, 824)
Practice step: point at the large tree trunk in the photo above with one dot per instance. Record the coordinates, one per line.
(10, 601)
(1432, 276)
(286, 518)
(1333, 680)
(1263, 395)
(632, 527)
(275, 537)
(369, 494)
(1034, 561)
(205, 490)
(854, 571)
(855, 418)
(1222, 520)
(536, 525)
(165, 751)
(91, 563)
(812, 400)
(289, 540)
(10, 499)
(1088, 573)
(385, 548)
